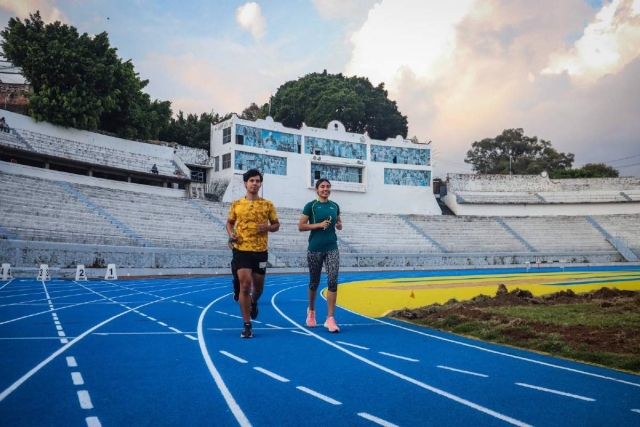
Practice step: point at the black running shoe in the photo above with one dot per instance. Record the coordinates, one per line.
(254, 310)
(247, 331)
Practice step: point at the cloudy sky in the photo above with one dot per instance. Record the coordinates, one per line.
(566, 71)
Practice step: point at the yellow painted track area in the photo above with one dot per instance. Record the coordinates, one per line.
(375, 298)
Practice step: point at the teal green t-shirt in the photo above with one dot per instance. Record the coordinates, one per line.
(322, 240)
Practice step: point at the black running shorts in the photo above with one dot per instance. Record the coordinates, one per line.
(255, 261)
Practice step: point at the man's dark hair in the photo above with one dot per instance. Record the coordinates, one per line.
(320, 181)
(250, 174)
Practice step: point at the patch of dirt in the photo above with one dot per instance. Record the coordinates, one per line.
(618, 340)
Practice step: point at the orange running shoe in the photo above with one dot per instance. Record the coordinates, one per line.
(331, 324)
(311, 318)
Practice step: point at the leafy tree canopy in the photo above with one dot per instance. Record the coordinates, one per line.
(318, 98)
(192, 131)
(529, 155)
(590, 170)
(79, 81)
(254, 112)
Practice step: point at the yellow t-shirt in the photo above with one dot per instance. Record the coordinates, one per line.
(247, 215)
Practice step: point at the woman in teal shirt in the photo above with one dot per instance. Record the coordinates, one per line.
(322, 218)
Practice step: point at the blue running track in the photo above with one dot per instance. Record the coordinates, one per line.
(168, 352)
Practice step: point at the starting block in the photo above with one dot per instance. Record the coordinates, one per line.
(111, 272)
(5, 272)
(81, 274)
(43, 273)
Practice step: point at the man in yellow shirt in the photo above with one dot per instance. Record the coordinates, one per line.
(250, 220)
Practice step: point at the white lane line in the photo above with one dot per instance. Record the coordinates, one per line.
(85, 399)
(221, 312)
(136, 333)
(232, 356)
(274, 326)
(64, 341)
(398, 357)
(271, 374)
(162, 323)
(376, 420)
(353, 345)
(153, 319)
(93, 422)
(59, 327)
(6, 392)
(561, 393)
(77, 379)
(463, 372)
(500, 353)
(301, 333)
(175, 330)
(398, 374)
(319, 396)
(636, 410)
(191, 337)
(71, 362)
(224, 390)
(61, 334)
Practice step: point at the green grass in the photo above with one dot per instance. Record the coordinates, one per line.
(519, 330)
(588, 314)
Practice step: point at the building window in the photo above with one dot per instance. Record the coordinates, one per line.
(240, 139)
(226, 136)
(216, 163)
(226, 161)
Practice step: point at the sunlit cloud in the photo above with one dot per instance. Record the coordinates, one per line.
(608, 43)
(22, 9)
(249, 17)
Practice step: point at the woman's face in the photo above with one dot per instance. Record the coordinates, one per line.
(324, 190)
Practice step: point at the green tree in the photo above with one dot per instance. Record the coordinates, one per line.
(254, 112)
(79, 81)
(318, 98)
(192, 131)
(590, 170)
(514, 152)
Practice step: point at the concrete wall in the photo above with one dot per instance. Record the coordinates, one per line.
(26, 257)
(480, 209)
(295, 189)
(535, 183)
(18, 169)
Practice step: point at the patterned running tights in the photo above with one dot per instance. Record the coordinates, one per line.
(331, 260)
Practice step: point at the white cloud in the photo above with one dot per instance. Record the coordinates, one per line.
(249, 17)
(348, 10)
(22, 9)
(608, 43)
(403, 35)
(471, 70)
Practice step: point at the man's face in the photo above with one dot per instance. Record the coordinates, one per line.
(253, 184)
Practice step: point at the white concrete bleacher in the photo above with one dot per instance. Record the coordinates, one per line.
(469, 234)
(559, 234)
(39, 209)
(497, 197)
(10, 139)
(624, 227)
(162, 221)
(95, 154)
(382, 233)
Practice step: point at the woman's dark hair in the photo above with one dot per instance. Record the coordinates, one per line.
(320, 181)
(250, 174)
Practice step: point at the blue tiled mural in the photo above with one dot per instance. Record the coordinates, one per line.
(335, 173)
(263, 162)
(403, 156)
(270, 140)
(407, 177)
(330, 147)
